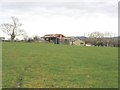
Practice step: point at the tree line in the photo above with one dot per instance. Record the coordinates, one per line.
(102, 39)
(13, 29)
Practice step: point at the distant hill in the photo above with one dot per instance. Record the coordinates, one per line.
(80, 37)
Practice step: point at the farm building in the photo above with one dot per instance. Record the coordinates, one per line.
(55, 38)
(61, 39)
(77, 42)
(88, 44)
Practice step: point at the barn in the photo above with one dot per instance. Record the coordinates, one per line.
(54, 38)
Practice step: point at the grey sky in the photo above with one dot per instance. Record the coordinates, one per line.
(89, 11)
(108, 7)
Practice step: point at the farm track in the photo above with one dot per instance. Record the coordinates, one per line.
(20, 77)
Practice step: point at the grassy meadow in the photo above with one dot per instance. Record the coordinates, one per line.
(42, 65)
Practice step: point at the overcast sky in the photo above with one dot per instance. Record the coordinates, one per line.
(68, 17)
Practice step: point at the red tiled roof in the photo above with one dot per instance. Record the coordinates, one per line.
(54, 35)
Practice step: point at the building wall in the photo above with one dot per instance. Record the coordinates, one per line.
(77, 42)
(64, 41)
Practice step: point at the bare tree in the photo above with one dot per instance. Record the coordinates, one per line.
(108, 34)
(96, 35)
(36, 38)
(13, 29)
(95, 38)
(25, 37)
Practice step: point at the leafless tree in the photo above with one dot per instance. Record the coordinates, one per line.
(96, 35)
(12, 29)
(95, 38)
(36, 38)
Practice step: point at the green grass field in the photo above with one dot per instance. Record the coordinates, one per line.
(40, 65)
